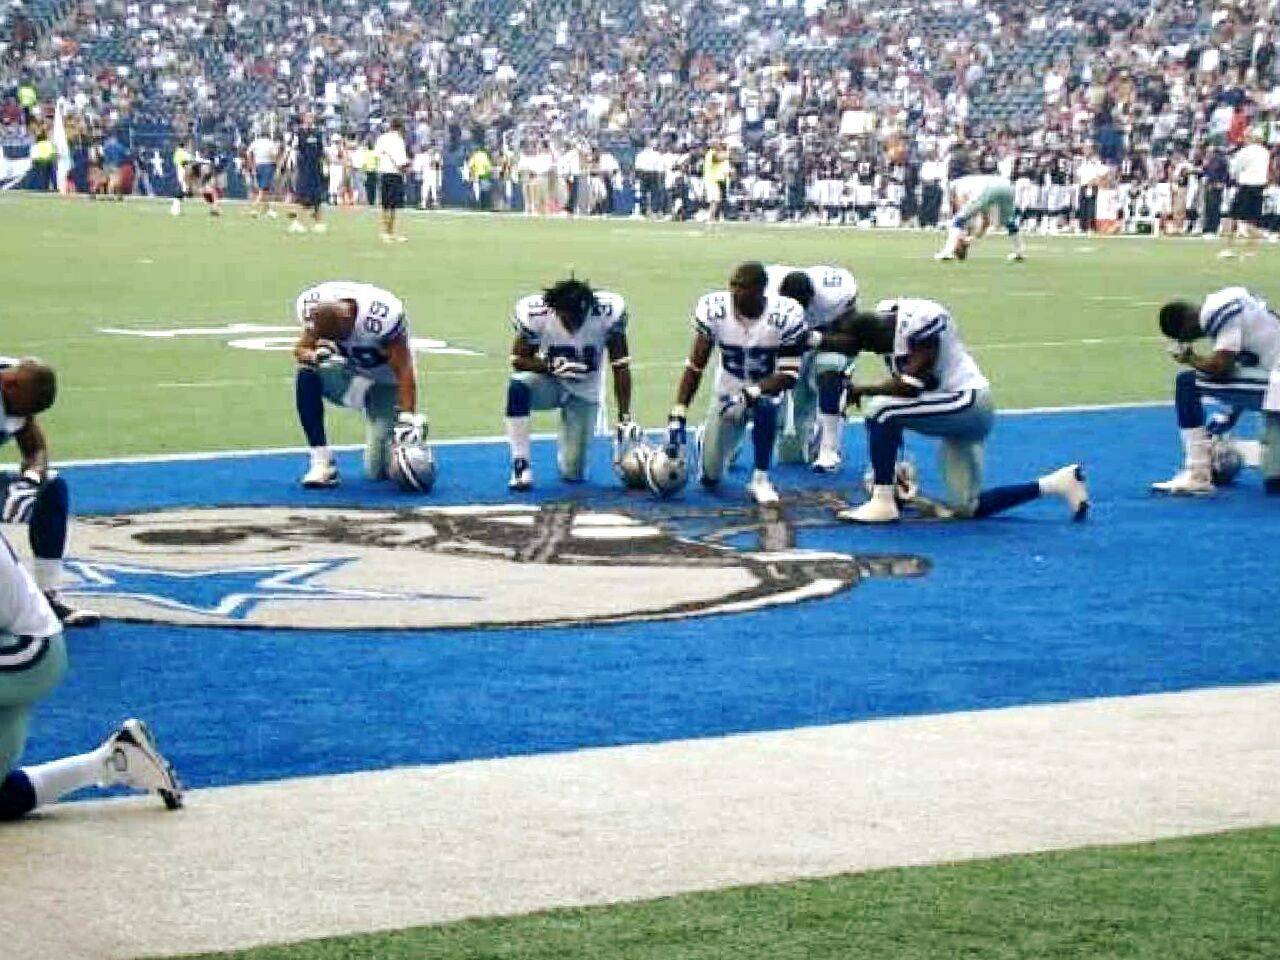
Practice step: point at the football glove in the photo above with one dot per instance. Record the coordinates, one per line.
(410, 428)
(1182, 352)
(677, 423)
(20, 499)
(567, 369)
(1222, 422)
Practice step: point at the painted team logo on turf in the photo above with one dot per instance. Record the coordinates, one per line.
(467, 566)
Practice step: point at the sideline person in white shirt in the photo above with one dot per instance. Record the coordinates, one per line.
(393, 161)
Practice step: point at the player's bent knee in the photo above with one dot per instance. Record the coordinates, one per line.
(54, 495)
(17, 796)
(519, 398)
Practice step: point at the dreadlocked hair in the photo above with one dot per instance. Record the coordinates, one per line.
(574, 297)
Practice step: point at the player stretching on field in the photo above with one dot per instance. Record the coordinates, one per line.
(973, 197)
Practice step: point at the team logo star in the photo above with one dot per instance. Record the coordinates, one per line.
(229, 593)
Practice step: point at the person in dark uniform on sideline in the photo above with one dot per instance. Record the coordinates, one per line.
(309, 181)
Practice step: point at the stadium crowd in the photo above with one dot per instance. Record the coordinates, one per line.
(1121, 112)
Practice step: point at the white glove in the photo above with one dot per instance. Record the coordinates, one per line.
(20, 499)
(567, 369)
(1181, 352)
(410, 428)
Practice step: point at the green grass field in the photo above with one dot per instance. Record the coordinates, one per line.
(1067, 327)
(1074, 325)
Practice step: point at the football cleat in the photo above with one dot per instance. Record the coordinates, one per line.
(319, 228)
(521, 475)
(296, 227)
(321, 476)
(70, 616)
(827, 461)
(761, 489)
(944, 255)
(881, 508)
(1016, 257)
(134, 761)
(1068, 483)
(1186, 483)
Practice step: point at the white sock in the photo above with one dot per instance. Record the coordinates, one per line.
(760, 476)
(953, 237)
(321, 457)
(829, 430)
(48, 573)
(57, 778)
(1195, 442)
(886, 493)
(518, 437)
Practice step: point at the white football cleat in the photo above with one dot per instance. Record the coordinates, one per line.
(296, 227)
(319, 228)
(761, 489)
(1227, 254)
(521, 475)
(1017, 257)
(881, 508)
(134, 761)
(1186, 483)
(1068, 483)
(944, 255)
(827, 461)
(321, 476)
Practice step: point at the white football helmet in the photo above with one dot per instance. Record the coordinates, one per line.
(413, 467)
(1225, 460)
(667, 471)
(632, 464)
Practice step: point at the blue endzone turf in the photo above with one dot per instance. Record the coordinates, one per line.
(1149, 595)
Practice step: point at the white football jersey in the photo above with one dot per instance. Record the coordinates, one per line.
(834, 291)
(539, 325)
(1239, 321)
(749, 349)
(969, 188)
(24, 612)
(920, 320)
(380, 320)
(9, 425)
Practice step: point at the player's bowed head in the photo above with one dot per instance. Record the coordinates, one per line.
(854, 331)
(1180, 321)
(572, 300)
(28, 388)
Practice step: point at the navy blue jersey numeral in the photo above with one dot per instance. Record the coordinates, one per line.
(748, 363)
(588, 356)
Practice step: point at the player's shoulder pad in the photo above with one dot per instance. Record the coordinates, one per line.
(611, 306)
(529, 314)
(790, 316)
(712, 308)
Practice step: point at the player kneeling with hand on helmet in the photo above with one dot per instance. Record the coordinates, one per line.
(761, 338)
(561, 337)
(355, 352)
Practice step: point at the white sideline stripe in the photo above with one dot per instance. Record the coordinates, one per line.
(463, 441)
(324, 856)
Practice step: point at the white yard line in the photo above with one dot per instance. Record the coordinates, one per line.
(317, 857)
